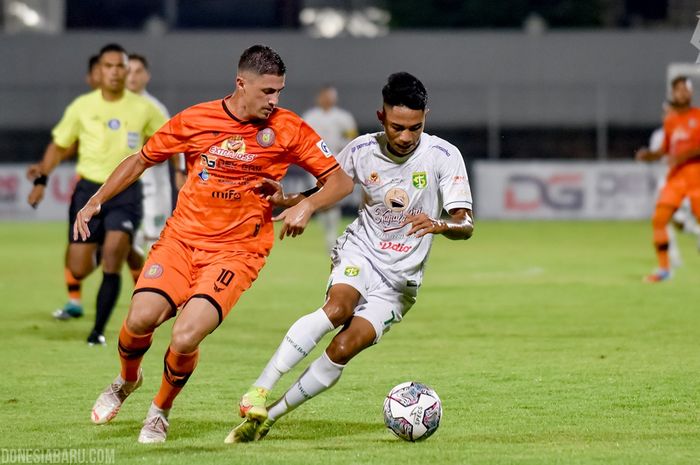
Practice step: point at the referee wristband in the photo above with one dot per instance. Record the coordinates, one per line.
(41, 180)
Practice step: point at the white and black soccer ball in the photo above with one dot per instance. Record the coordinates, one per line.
(412, 411)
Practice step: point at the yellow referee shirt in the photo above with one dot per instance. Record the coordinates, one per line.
(107, 132)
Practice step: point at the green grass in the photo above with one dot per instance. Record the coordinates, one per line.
(540, 338)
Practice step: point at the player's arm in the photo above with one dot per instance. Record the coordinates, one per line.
(646, 154)
(39, 173)
(128, 171)
(460, 224)
(273, 192)
(335, 187)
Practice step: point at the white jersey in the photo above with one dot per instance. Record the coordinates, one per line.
(157, 196)
(336, 126)
(156, 179)
(433, 178)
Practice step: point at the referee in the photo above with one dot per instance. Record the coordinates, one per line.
(109, 124)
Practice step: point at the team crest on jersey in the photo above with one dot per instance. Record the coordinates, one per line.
(352, 271)
(265, 137)
(204, 175)
(396, 199)
(420, 179)
(114, 124)
(153, 272)
(692, 123)
(324, 149)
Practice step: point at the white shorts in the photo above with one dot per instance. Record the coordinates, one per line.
(381, 304)
(157, 205)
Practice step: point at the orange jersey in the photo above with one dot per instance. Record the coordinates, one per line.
(682, 132)
(218, 206)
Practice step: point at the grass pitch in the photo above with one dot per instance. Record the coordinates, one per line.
(540, 338)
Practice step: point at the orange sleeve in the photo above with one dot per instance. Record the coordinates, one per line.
(312, 153)
(172, 138)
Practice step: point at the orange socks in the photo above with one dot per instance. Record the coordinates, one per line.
(662, 216)
(132, 348)
(176, 371)
(73, 285)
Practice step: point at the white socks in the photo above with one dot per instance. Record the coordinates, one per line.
(321, 375)
(301, 338)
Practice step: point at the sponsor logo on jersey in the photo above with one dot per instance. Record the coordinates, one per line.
(227, 195)
(419, 179)
(208, 162)
(265, 137)
(392, 220)
(233, 147)
(372, 179)
(154, 271)
(324, 149)
(204, 175)
(441, 149)
(395, 246)
(459, 179)
(396, 199)
(114, 124)
(352, 271)
(363, 145)
(132, 139)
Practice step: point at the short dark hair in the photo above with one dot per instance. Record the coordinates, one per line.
(404, 89)
(93, 61)
(261, 59)
(111, 48)
(141, 58)
(677, 79)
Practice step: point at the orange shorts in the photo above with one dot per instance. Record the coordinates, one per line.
(680, 183)
(180, 272)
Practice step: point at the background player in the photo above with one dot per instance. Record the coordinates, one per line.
(682, 144)
(157, 183)
(214, 245)
(407, 177)
(107, 123)
(74, 306)
(337, 127)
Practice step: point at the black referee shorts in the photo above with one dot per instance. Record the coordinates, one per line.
(121, 213)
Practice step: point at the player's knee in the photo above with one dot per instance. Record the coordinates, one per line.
(338, 312)
(140, 324)
(185, 340)
(79, 270)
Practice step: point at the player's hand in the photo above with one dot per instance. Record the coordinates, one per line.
(80, 227)
(36, 195)
(643, 154)
(422, 224)
(34, 171)
(295, 219)
(271, 191)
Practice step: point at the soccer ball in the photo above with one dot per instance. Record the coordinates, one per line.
(412, 411)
